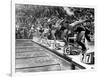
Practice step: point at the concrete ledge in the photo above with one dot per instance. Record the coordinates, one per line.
(62, 56)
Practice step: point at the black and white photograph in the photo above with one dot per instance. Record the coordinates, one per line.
(54, 38)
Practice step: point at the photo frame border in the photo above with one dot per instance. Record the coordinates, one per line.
(36, 2)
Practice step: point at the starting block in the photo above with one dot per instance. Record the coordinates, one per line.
(88, 58)
(70, 50)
